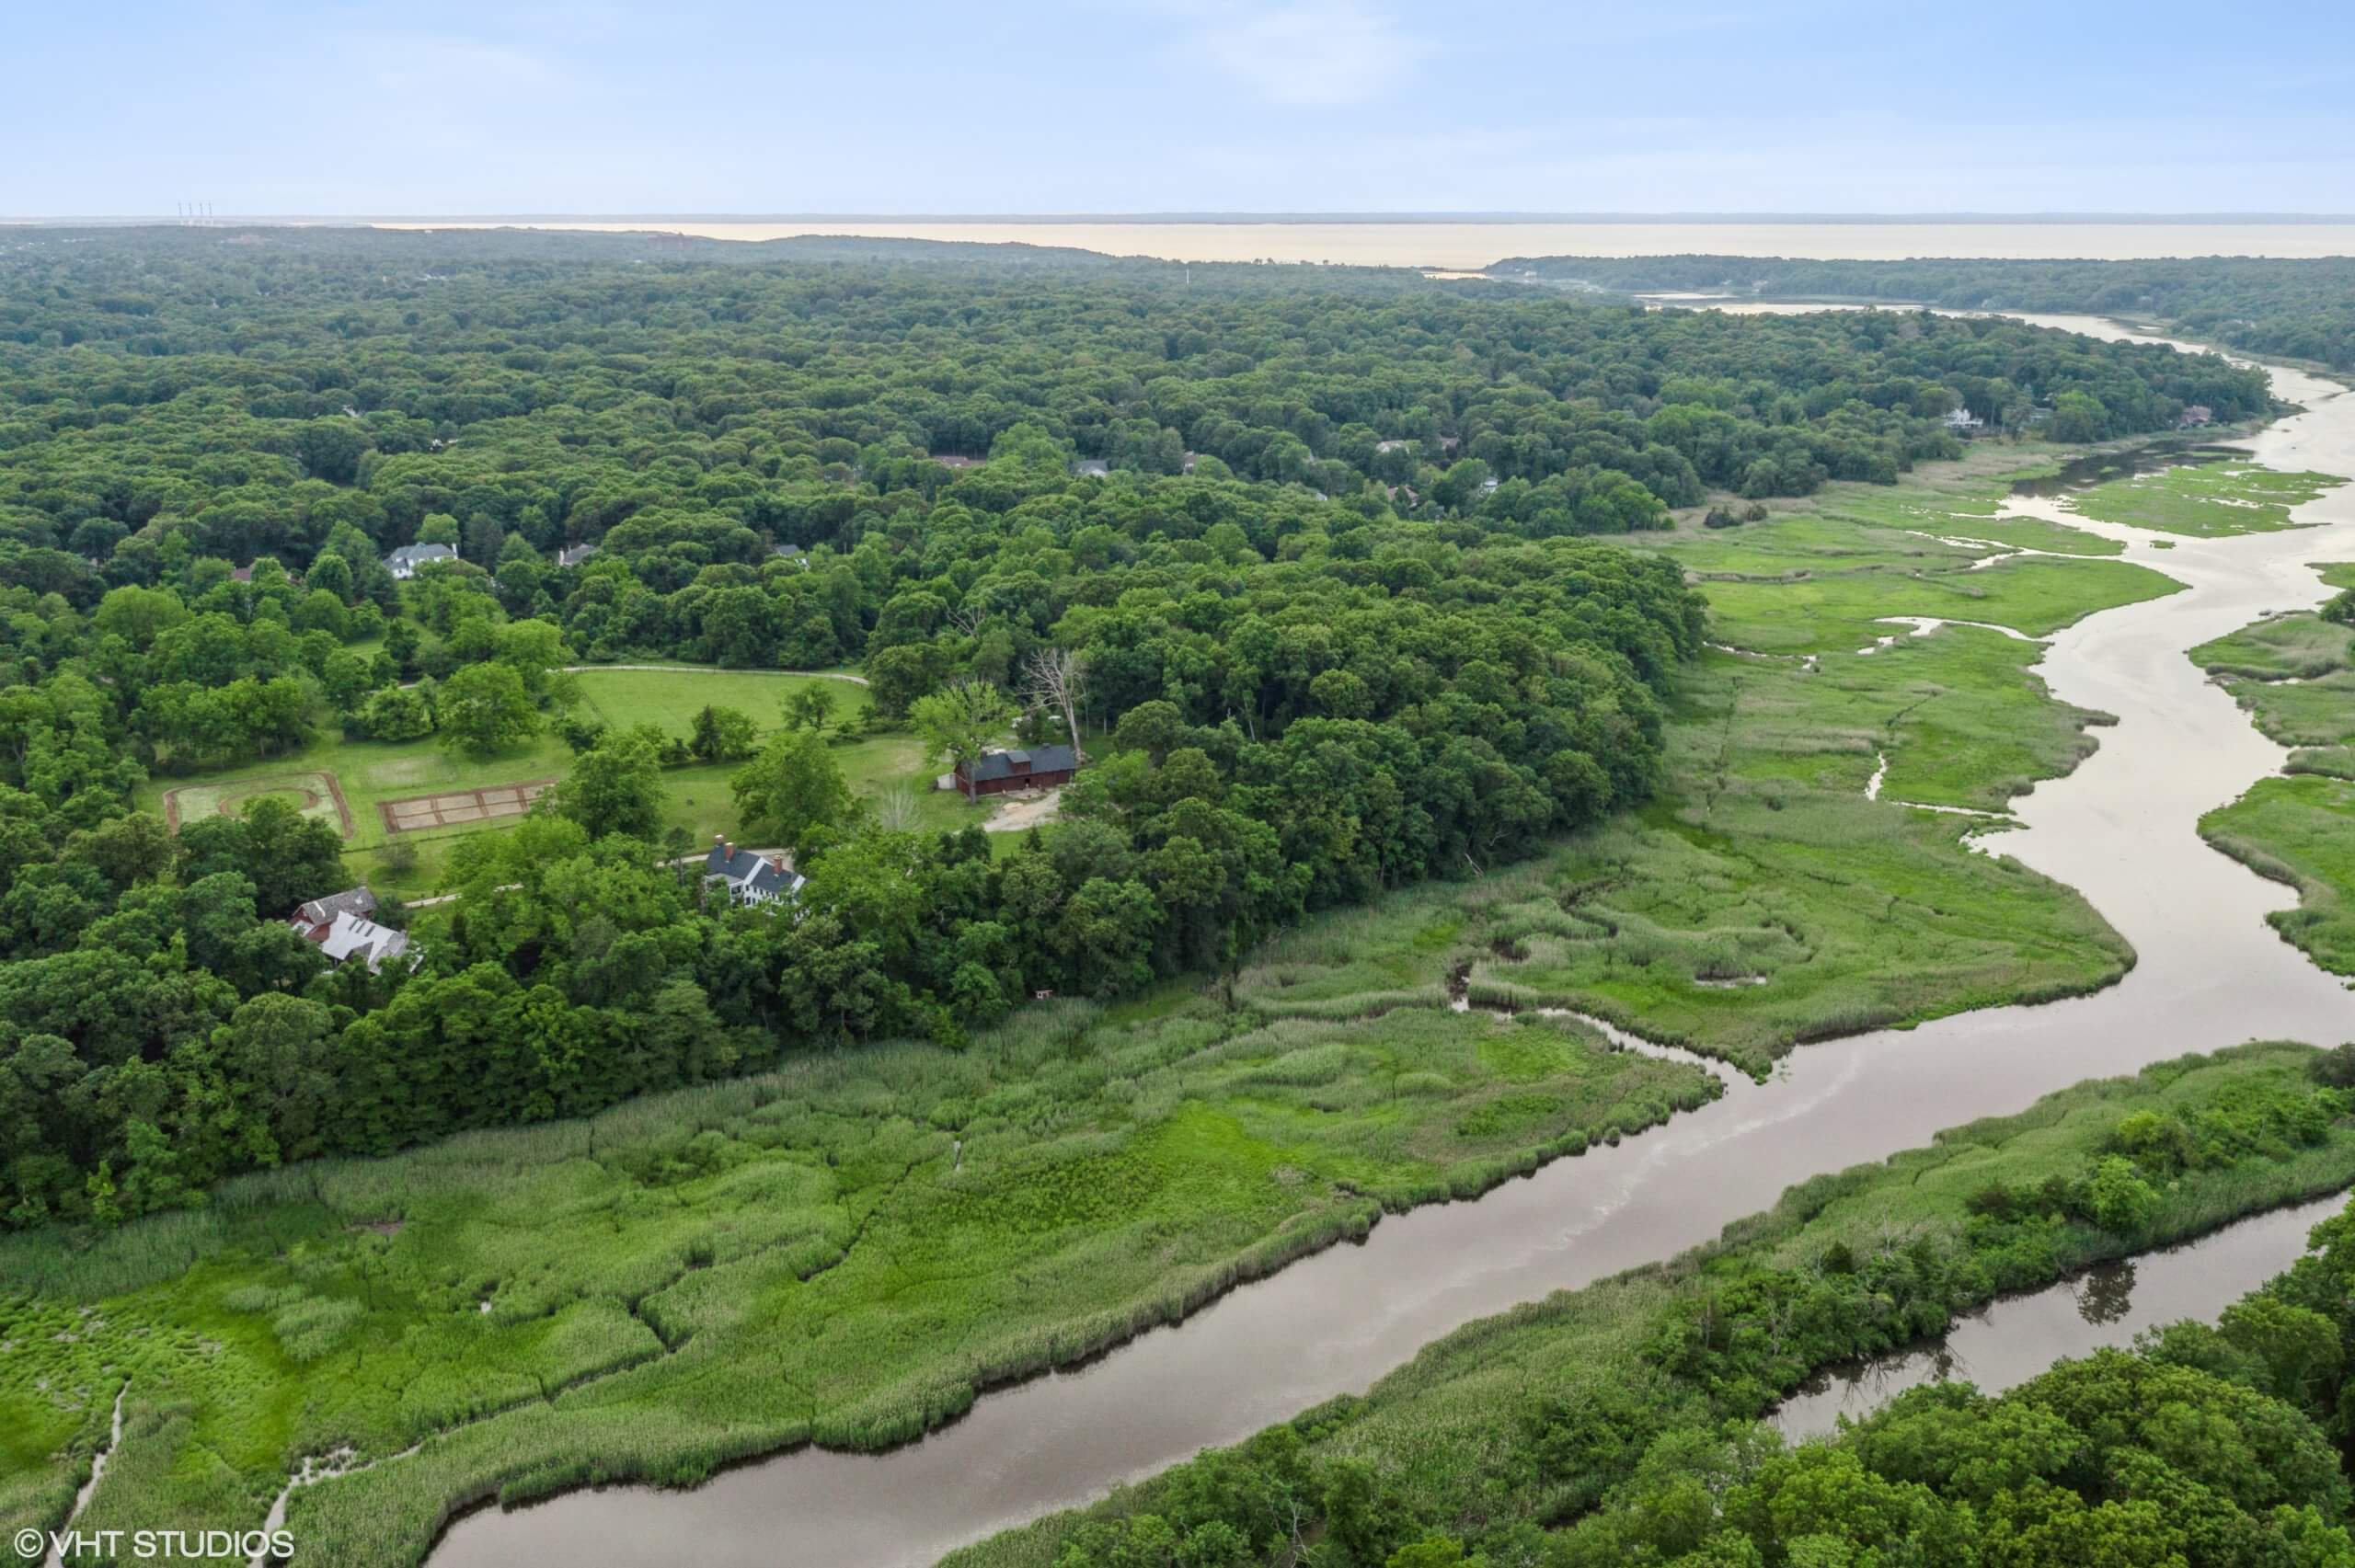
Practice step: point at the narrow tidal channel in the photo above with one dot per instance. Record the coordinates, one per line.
(2009, 1341)
(2121, 830)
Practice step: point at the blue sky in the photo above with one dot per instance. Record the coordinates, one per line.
(1091, 105)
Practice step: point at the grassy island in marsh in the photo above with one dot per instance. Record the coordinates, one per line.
(2295, 673)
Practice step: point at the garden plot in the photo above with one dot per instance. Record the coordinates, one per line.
(458, 807)
(312, 793)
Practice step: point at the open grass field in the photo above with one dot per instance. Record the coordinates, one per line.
(369, 774)
(672, 697)
(2205, 500)
(1446, 1428)
(375, 777)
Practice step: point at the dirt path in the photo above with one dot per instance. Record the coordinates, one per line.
(1015, 816)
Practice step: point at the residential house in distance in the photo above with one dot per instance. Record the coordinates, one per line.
(1092, 468)
(1964, 423)
(2197, 415)
(953, 462)
(1186, 464)
(340, 927)
(793, 553)
(402, 563)
(751, 878)
(573, 555)
(1390, 446)
(1003, 773)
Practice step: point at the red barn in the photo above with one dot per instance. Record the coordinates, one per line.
(1001, 772)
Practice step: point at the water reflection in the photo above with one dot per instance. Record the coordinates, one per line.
(2101, 467)
(2106, 1295)
(2011, 1340)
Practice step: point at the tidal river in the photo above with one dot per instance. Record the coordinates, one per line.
(2121, 829)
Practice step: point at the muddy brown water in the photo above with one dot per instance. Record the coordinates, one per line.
(2120, 830)
(2011, 1340)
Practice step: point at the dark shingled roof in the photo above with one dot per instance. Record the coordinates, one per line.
(351, 900)
(755, 873)
(1042, 759)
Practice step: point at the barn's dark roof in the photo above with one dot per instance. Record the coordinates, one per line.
(1042, 759)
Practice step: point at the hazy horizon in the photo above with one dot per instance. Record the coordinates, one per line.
(2221, 219)
(923, 107)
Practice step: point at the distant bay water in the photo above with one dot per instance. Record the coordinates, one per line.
(1469, 245)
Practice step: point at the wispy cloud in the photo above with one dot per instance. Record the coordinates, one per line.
(1310, 53)
(447, 66)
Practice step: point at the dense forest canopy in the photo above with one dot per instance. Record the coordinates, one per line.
(2296, 309)
(182, 377)
(1329, 629)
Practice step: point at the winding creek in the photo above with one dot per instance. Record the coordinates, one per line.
(2011, 1340)
(2121, 829)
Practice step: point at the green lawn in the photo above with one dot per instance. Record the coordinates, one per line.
(671, 698)
(696, 798)
(2206, 499)
(372, 771)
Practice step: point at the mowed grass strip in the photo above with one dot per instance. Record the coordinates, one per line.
(671, 697)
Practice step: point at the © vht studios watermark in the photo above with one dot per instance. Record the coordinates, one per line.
(156, 1546)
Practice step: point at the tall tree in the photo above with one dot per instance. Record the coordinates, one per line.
(615, 786)
(484, 709)
(959, 722)
(1057, 680)
(792, 792)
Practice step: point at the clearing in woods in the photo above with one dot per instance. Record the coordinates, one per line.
(314, 793)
